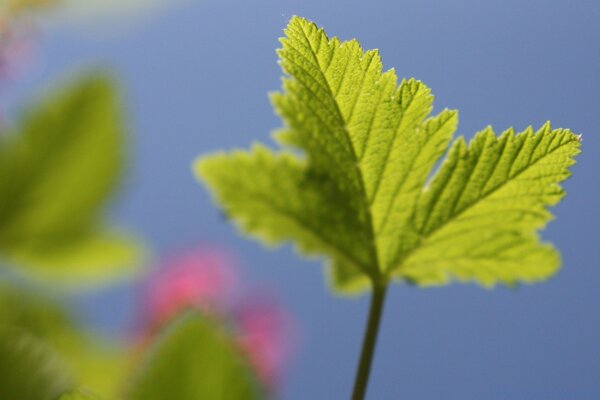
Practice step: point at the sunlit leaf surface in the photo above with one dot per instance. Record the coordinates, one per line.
(355, 178)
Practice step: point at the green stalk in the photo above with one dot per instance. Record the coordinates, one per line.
(369, 341)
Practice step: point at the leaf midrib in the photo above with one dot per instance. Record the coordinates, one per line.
(365, 200)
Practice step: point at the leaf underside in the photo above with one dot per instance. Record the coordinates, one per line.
(354, 178)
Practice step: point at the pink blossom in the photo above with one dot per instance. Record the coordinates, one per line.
(266, 334)
(195, 278)
(16, 42)
(205, 279)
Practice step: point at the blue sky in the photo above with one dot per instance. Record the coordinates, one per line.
(196, 79)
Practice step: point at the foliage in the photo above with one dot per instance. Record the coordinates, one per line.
(364, 176)
(355, 179)
(85, 358)
(78, 395)
(59, 165)
(40, 344)
(58, 168)
(29, 370)
(195, 359)
(208, 280)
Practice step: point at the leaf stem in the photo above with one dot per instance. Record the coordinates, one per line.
(369, 341)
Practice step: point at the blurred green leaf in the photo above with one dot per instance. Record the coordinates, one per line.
(94, 362)
(78, 395)
(29, 369)
(195, 359)
(58, 168)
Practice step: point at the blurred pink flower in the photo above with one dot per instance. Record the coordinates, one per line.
(206, 279)
(16, 42)
(266, 333)
(195, 278)
(16, 39)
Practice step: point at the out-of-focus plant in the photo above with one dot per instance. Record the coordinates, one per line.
(59, 166)
(17, 33)
(94, 9)
(267, 335)
(198, 278)
(195, 335)
(79, 12)
(365, 193)
(29, 369)
(20, 21)
(205, 280)
(76, 355)
(195, 358)
(79, 394)
(12, 10)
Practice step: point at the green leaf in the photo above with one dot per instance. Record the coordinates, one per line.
(195, 359)
(78, 395)
(488, 200)
(58, 168)
(353, 179)
(30, 370)
(94, 361)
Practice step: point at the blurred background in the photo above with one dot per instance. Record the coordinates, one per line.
(195, 77)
